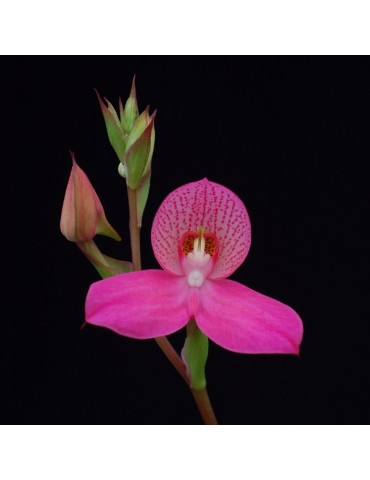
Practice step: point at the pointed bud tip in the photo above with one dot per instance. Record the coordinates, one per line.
(73, 158)
(102, 104)
(133, 87)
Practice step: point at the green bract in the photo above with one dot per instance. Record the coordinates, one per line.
(106, 266)
(194, 354)
(129, 114)
(115, 132)
(138, 150)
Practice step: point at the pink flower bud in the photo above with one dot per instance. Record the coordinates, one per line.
(82, 214)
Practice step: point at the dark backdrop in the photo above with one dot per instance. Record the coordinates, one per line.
(290, 136)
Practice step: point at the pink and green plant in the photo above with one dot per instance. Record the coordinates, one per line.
(200, 235)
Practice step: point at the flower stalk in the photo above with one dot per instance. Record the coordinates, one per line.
(134, 230)
(165, 345)
(204, 406)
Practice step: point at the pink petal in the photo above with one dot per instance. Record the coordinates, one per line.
(202, 204)
(245, 321)
(145, 304)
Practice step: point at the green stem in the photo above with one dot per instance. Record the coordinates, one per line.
(166, 347)
(204, 406)
(134, 230)
(91, 251)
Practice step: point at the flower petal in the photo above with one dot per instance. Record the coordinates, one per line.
(202, 204)
(145, 304)
(245, 321)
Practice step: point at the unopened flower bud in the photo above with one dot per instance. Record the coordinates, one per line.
(132, 137)
(82, 214)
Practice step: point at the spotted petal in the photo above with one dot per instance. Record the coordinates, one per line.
(208, 205)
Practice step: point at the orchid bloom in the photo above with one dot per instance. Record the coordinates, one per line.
(200, 235)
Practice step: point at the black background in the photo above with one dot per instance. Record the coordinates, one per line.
(290, 136)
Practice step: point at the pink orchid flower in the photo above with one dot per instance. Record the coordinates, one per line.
(200, 235)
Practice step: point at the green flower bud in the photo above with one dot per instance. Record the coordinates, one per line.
(132, 136)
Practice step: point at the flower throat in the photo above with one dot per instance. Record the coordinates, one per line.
(200, 242)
